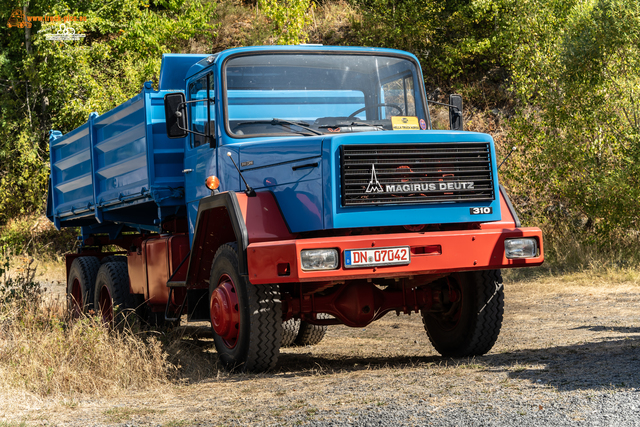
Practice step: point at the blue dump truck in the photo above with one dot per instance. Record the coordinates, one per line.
(276, 190)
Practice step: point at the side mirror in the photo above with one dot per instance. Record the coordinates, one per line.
(175, 113)
(455, 112)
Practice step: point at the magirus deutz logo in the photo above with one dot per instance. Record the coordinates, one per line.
(415, 187)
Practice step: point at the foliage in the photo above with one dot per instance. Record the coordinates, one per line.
(576, 69)
(290, 18)
(452, 38)
(49, 84)
(36, 236)
(18, 289)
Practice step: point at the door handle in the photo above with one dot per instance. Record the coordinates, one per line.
(187, 170)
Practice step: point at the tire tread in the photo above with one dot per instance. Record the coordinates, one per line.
(290, 330)
(265, 320)
(310, 334)
(487, 322)
(86, 270)
(116, 274)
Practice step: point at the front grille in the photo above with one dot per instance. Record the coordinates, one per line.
(416, 173)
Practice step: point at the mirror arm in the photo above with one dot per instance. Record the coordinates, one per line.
(182, 106)
(442, 103)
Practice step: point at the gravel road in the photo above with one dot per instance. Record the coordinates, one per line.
(568, 354)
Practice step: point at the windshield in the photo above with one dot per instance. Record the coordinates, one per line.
(292, 94)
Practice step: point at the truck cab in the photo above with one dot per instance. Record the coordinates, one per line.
(314, 192)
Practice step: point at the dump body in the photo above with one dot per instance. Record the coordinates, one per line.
(120, 167)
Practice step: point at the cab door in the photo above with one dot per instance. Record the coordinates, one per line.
(199, 159)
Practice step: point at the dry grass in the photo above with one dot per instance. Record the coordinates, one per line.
(332, 22)
(550, 322)
(44, 354)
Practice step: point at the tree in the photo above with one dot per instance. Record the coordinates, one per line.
(48, 84)
(576, 71)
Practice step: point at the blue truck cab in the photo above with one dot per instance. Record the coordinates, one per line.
(276, 190)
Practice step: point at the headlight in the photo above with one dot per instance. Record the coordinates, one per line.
(521, 248)
(319, 259)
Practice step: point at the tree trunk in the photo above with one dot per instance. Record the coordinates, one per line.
(27, 28)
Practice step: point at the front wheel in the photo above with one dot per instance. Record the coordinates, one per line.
(470, 324)
(246, 319)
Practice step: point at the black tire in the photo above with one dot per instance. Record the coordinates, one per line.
(112, 300)
(474, 324)
(290, 332)
(113, 258)
(309, 334)
(256, 318)
(81, 285)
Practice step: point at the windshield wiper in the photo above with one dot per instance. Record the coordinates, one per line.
(347, 124)
(281, 122)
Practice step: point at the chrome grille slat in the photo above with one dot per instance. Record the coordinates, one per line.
(458, 164)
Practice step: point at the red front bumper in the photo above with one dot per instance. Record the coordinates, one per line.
(460, 251)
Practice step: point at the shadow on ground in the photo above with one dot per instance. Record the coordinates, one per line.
(612, 362)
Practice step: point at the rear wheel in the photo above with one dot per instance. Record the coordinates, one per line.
(290, 332)
(473, 314)
(81, 285)
(114, 258)
(246, 319)
(112, 299)
(310, 334)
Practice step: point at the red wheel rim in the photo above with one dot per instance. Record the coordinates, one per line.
(76, 299)
(450, 319)
(106, 306)
(225, 316)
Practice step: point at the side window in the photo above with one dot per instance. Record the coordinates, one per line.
(399, 92)
(201, 112)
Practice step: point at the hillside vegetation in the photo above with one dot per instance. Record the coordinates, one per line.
(557, 79)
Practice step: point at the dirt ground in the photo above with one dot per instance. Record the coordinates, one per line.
(563, 338)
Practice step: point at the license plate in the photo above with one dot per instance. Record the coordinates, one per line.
(354, 258)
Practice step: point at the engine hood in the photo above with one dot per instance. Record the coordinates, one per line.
(306, 176)
(273, 162)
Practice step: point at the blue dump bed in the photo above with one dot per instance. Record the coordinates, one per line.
(121, 167)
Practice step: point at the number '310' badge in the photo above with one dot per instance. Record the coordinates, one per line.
(481, 211)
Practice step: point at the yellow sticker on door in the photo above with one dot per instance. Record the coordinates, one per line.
(405, 123)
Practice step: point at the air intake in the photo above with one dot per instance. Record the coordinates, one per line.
(416, 173)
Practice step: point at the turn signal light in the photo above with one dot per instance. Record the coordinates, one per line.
(212, 183)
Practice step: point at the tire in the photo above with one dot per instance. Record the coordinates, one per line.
(113, 258)
(290, 330)
(246, 319)
(473, 327)
(309, 334)
(81, 285)
(112, 300)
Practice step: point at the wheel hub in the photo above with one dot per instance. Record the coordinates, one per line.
(76, 300)
(225, 317)
(106, 306)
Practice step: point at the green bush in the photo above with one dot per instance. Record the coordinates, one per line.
(576, 72)
(57, 84)
(35, 235)
(454, 40)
